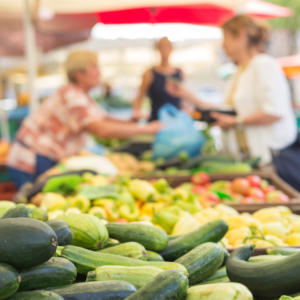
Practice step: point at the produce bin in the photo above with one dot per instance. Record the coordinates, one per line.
(272, 178)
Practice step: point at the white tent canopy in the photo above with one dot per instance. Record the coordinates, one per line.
(85, 6)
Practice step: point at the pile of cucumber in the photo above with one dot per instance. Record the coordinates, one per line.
(78, 257)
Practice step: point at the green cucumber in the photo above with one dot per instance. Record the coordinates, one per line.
(223, 279)
(55, 272)
(88, 231)
(25, 242)
(9, 281)
(86, 261)
(213, 231)
(35, 295)
(217, 275)
(174, 236)
(153, 256)
(138, 276)
(131, 249)
(170, 284)
(62, 231)
(151, 237)
(20, 211)
(40, 214)
(97, 290)
(264, 279)
(202, 261)
(282, 251)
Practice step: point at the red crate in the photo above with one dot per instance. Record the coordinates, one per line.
(7, 190)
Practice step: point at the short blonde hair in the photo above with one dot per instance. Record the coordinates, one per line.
(79, 61)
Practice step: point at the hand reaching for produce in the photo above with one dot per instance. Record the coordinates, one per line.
(153, 127)
(224, 121)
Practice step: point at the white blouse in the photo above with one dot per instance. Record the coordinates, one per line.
(263, 87)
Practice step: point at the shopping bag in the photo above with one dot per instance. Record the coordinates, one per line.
(177, 135)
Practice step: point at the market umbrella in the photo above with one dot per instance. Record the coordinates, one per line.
(201, 13)
(290, 65)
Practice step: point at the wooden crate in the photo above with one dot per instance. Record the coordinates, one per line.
(272, 178)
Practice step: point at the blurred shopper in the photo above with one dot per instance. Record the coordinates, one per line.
(258, 92)
(160, 84)
(59, 127)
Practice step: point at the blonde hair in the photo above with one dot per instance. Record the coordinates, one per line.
(79, 61)
(258, 33)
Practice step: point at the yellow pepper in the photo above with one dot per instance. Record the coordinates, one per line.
(276, 240)
(284, 211)
(267, 215)
(276, 229)
(147, 208)
(130, 212)
(142, 190)
(109, 206)
(185, 225)
(98, 180)
(238, 234)
(293, 239)
(226, 211)
(207, 215)
(180, 194)
(237, 222)
(262, 243)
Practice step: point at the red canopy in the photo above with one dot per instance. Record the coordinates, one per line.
(204, 14)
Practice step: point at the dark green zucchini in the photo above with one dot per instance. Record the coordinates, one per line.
(171, 284)
(9, 281)
(264, 279)
(25, 242)
(56, 271)
(62, 231)
(282, 251)
(202, 261)
(86, 260)
(226, 254)
(36, 295)
(96, 290)
(40, 214)
(20, 211)
(223, 279)
(213, 231)
(152, 238)
(153, 256)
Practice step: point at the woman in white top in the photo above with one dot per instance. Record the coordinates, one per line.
(258, 92)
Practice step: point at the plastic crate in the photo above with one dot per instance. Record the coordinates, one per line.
(7, 190)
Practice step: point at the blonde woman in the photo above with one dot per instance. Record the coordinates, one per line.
(58, 128)
(258, 92)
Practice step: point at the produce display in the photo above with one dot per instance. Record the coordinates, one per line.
(100, 260)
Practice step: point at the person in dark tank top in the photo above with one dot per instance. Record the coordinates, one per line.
(160, 84)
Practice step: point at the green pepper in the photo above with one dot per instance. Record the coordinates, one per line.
(165, 219)
(189, 207)
(222, 195)
(161, 185)
(173, 209)
(220, 185)
(129, 212)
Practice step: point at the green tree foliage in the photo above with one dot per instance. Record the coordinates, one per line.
(293, 23)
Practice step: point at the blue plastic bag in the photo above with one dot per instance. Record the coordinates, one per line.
(178, 134)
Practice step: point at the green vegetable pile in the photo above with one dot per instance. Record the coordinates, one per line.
(77, 256)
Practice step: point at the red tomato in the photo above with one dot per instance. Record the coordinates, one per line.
(269, 189)
(277, 196)
(211, 197)
(248, 200)
(254, 181)
(240, 186)
(200, 178)
(198, 189)
(256, 193)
